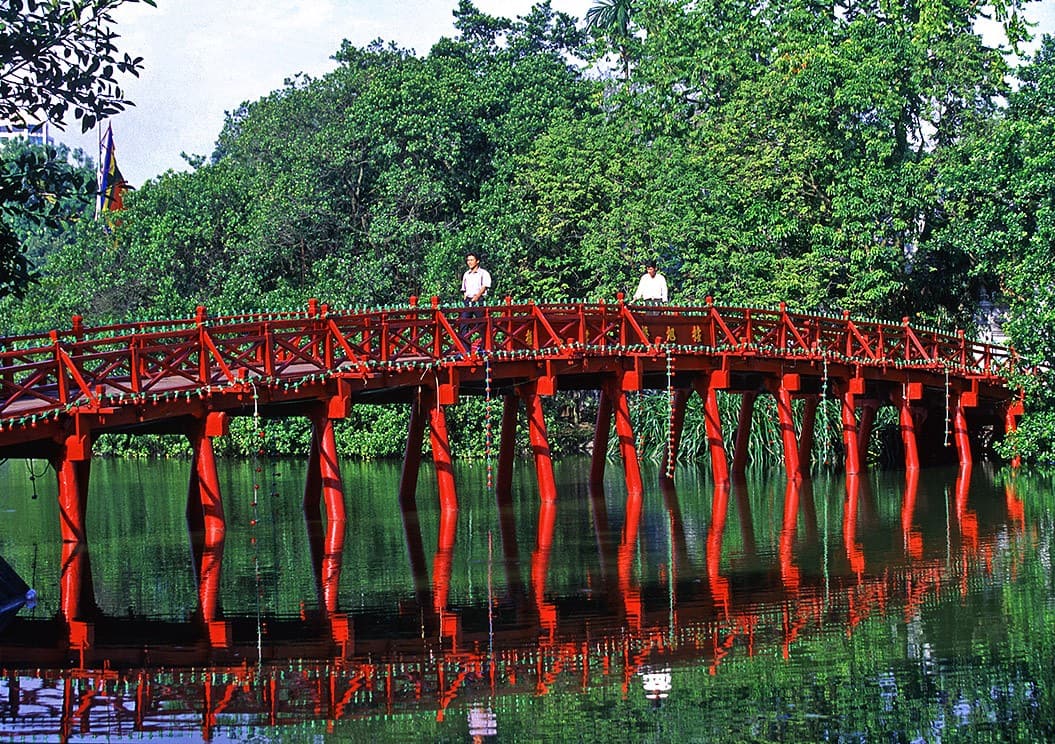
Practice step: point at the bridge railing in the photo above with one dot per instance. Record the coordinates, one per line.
(78, 365)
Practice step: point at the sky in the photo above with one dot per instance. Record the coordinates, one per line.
(205, 57)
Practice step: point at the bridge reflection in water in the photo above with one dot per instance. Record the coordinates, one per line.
(84, 673)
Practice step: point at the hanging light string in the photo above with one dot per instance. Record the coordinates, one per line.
(34, 475)
(826, 442)
(671, 404)
(947, 405)
(258, 454)
(488, 421)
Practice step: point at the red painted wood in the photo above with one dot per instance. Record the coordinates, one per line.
(408, 480)
(627, 448)
(441, 457)
(851, 445)
(786, 417)
(743, 433)
(149, 374)
(547, 485)
(960, 435)
(806, 434)
(73, 497)
(602, 430)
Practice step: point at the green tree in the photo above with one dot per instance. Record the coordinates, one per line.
(41, 192)
(54, 56)
(999, 197)
(58, 55)
(611, 19)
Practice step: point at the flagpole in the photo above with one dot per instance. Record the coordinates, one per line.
(99, 168)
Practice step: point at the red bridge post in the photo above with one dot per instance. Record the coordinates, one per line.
(507, 449)
(204, 504)
(408, 480)
(324, 485)
(441, 453)
(909, 392)
(849, 422)
(707, 387)
(602, 430)
(789, 383)
(869, 408)
(324, 471)
(72, 468)
(547, 485)
(743, 433)
(806, 429)
(960, 431)
(625, 432)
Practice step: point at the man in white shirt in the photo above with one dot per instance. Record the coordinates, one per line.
(652, 287)
(476, 281)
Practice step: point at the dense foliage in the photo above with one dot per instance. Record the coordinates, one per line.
(57, 58)
(880, 158)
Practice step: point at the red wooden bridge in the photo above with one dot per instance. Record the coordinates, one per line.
(62, 389)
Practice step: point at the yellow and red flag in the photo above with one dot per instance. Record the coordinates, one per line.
(112, 184)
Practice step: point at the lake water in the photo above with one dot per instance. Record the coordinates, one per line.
(883, 608)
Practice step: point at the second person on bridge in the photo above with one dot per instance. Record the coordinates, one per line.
(476, 281)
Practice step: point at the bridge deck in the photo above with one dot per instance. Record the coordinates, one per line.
(148, 375)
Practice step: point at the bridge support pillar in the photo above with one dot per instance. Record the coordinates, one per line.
(743, 433)
(911, 391)
(602, 430)
(547, 485)
(204, 505)
(209, 591)
(851, 444)
(707, 388)
(76, 589)
(408, 479)
(624, 430)
(806, 434)
(72, 468)
(441, 454)
(785, 415)
(864, 431)
(324, 485)
(961, 435)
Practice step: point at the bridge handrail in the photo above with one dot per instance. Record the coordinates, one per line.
(60, 369)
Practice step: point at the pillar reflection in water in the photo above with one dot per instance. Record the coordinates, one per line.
(790, 575)
(629, 592)
(441, 572)
(854, 554)
(912, 539)
(719, 585)
(547, 611)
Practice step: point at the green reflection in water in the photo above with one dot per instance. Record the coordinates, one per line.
(935, 622)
